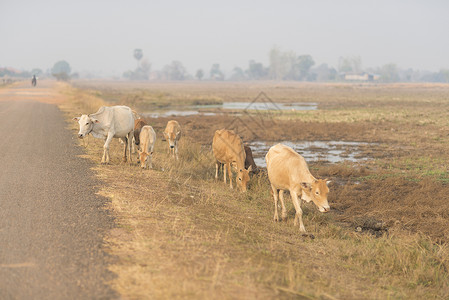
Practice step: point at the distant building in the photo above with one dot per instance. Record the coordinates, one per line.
(360, 77)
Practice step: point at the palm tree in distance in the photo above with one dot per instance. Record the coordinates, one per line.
(138, 54)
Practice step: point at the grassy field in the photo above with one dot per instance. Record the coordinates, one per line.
(180, 234)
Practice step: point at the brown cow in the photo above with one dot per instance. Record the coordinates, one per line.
(228, 150)
(138, 124)
(287, 170)
(172, 134)
(249, 160)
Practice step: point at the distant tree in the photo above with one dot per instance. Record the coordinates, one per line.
(280, 63)
(199, 74)
(441, 76)
(350, 64)
(304, 63)
(216, 73)
(444, 74)
(175, 71)
(128, 74)
(289, 66)
(145, 66)
(61, 70)
(138, 54)
(142, 72)
(238, 74)
(256, 70)
(389, 73)
(275, 64)
(299, 67)
(324, 73)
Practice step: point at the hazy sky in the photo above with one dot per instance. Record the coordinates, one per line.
(100, 36)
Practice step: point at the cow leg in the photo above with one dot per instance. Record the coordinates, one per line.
(298, 209)
(130, 141)
(284, 210)
(216, 170)
(125, 142)
(105, 159)
(225, 169)
(275, 196)
(176, 149)
(230, 174)
(133, 145)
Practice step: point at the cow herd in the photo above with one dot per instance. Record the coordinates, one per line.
(287, 170)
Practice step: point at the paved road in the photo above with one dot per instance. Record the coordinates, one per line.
(51, 222)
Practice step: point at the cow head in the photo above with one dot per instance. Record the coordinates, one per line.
(172, 137)
(317, 192)
(86, 125)
(243, 178)
(144, 156)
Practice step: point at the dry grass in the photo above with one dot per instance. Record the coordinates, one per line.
(183, 235)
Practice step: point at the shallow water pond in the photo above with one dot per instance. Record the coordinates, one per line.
(210, 110)
(331, 151)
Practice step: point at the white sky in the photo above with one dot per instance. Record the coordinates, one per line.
(100, 36)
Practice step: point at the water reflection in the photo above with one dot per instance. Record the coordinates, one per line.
(222, 108)
(331, 151)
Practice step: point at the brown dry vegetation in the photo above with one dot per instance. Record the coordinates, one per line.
(183, 235)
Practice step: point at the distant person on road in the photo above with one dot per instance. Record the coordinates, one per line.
(34, 80)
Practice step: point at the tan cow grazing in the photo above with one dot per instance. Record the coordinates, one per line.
(147, 139)
(228, 150)
(172, 134)
(287, 170)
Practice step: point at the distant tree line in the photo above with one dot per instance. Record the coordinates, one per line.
(61, 71)
(288, 65)
(283, 65)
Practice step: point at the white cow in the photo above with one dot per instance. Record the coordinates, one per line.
(147, 139)
(107, 123)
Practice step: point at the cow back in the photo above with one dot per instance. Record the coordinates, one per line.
(286, 168)
(227, 147)
(147, 138)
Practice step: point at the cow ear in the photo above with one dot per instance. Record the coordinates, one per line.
(305, 185)
(250, 168)
(76, 119)
(328, 181)
(95, 120)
